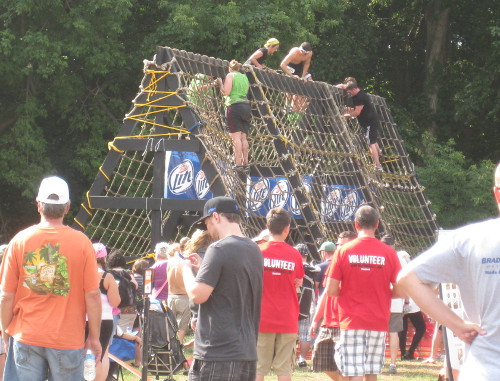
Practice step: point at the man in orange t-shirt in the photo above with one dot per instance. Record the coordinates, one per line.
(49, 283)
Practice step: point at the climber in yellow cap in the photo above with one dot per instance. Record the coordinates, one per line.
(259, 56)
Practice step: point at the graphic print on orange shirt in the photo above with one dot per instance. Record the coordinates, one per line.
(46, 271)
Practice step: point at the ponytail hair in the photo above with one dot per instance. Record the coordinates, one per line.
(234, 65)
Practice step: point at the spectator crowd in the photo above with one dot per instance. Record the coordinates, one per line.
(250, 302)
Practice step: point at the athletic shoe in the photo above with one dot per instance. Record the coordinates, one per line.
(429, 360)
(408, 356)
(392, 369)
(242, 168)
(302, 364)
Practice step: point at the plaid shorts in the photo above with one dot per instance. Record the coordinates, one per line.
(360, 352)
(304, 326)
(222, 370)
(324, 350)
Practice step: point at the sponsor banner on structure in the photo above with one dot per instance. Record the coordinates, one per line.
(451, 297)
(456, 347)
(184, 177)
(266, 193)
(340, 202)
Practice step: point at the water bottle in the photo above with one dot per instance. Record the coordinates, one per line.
(89, 367)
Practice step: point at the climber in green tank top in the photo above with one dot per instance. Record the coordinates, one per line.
(239, 89)
(238, 113)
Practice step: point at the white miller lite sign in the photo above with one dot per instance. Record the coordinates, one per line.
(332, 202)
(351, 203)
(201, 185)
(294, 205)
(280, 194)
(340, 202)
(181, 178)
(258, 194)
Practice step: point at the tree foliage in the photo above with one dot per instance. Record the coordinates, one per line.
(459, 190)
(70, 69)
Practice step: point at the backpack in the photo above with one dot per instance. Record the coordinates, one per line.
(126, 288)
(307, 291)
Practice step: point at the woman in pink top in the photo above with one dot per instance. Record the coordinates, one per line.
(110, 298)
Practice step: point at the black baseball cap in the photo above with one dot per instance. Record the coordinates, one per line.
(219, 204)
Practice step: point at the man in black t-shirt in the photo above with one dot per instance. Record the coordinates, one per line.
(367, 118)
(228, 288)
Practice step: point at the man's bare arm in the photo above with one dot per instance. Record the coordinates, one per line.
(298, 282)
(6, 313)
(198, 292)
(357, 110)
(332, 287)
(94, 311)
(307, 64)
(318, 315)
(397, 291)
(286, 61)
(425, 297)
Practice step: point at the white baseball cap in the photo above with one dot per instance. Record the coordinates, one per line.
(264, 235)
(53, 186)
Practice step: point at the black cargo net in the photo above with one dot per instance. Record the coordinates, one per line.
(304, 156)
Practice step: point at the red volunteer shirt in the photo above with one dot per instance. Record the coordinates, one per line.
(280, 305)
(365, 268)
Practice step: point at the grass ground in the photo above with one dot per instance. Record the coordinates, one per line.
(407, 371)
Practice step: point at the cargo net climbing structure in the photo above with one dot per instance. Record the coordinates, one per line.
(304, 156)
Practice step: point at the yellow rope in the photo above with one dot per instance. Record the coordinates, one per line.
(152, 103)
(85, 208)
(154, 81)
(144, 136)
(150, 255)
(104, 174)
(112, 146)
(162, 109)
(159, 125)
(79, 224)
(88, 201)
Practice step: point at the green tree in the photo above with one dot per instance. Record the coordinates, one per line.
(61, 94)
(70, 69)
(460, 191)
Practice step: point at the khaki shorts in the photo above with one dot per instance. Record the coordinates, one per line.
(396, 322)
(276, 351)
(179, 304)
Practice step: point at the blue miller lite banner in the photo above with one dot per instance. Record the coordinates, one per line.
(184, 178)
(340, 202)
(266, 193)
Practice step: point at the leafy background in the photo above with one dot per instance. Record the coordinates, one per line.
(70, 68)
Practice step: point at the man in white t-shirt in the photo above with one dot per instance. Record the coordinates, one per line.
(470, 258)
